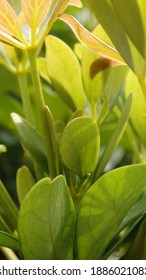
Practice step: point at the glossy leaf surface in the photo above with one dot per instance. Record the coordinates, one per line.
(110, 21)
(46, 221)
(80, 145)
(104, 206)
(90, 41)
(64, 72)
(31, 140)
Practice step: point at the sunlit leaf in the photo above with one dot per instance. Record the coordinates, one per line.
(46, 221)
(31, 140)
(105, 14)
(80, 145)
(90, 41)
(35, 11)
(132, 17)
(8, 19)
(100, 76)
(68, 84)
(7, 39)
(104, 206)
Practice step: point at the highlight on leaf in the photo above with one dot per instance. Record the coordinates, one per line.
(90, 41)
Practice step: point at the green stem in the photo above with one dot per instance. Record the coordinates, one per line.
(38, 94)
(42, 113)
(9, 254)
(25, 96)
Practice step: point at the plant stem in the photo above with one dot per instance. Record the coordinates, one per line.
(9, 254)
(25, 96)
(43, 114)
(38, 94)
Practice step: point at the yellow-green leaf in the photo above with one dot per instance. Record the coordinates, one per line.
(8, 20)
(90, 41)
(35, 11)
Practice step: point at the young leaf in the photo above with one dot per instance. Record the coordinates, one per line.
(25, 182)
(31, 140)
(99, 75)
(104, 206)
(8, 20)
(9, 241)
(46, 221)
(105, 14)
(90, 41)
(68, 83)
(8, 210)
(79, 146)
(35, 11)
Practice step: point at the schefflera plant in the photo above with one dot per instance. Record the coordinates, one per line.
(66, 212)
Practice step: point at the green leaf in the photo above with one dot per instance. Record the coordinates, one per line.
(8, 209)
(116, 136)
(80, 145)
(42, 66)
(136, 249)
(9, 241)
(100, 74)
(35, 11)
(132, 17)
(31, 140)
(25, 182)
(46, 221)
(68, 83)
(106, 15)
(90, 41)
(104, 206)
(138, 105)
